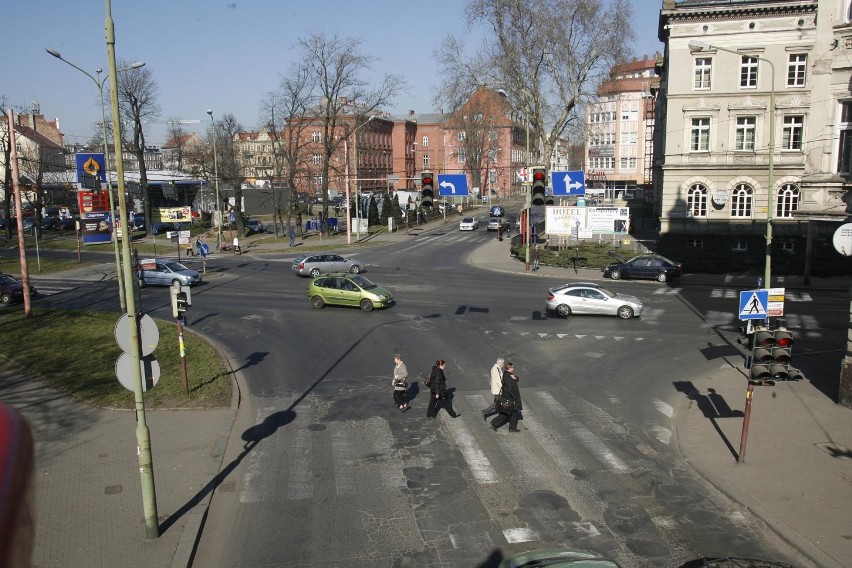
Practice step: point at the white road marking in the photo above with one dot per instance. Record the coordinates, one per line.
(663, 435)
(519, 535)
(663, 407)
(301, 485)
(344, 462)
(586, 528)
(583, 434)
(480, 466)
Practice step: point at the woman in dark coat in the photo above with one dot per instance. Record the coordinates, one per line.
(509, 390)
(438, 390)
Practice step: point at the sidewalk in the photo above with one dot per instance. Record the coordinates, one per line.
(797, 475)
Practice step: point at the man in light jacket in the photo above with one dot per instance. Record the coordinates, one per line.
(496, 383)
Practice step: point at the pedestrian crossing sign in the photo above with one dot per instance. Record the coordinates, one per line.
(753, 304)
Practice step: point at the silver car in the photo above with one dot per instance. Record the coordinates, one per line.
(166, 273)
(321, 263)
(589, 298)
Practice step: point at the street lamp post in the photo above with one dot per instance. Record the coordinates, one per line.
(219, 237)
(112, 211)
(348, 181)
(696, 45)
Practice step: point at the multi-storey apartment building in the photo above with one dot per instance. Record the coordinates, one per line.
(620, 128)
(748, 131)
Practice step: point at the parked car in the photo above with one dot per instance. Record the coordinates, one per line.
(28, 223)
(138, 222)
(160, 228)
(316, 264)
(347, 290)
(254, 225)
(51, 224)
(494, 223)
(589, 298)
(469, 224)
(68, 224)
(166, 273)
(650, 266)
(13, 291)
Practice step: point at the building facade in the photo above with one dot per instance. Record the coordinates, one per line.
(747, 132)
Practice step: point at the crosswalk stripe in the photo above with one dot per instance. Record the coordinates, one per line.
(480, 466)
(547, 442)
(586, 437)
(301, 484)
(345, 458)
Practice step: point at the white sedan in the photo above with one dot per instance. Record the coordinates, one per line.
(469, 224)
(590, 298)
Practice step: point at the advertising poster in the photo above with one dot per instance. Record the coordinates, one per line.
(171, 214)
(564, 221)
(94, 217)
(608, 219)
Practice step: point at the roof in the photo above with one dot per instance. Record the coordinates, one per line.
(37, 137)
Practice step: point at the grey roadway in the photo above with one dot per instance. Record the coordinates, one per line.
(795, 475)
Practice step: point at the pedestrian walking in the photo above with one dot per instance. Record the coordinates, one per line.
(536, 257)
(237, 249)
(400, 383)
(292, 235)
(510, 392)
(439, 395)
(496, 382)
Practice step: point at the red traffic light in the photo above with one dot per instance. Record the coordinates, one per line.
(538, 175)
(426, 180)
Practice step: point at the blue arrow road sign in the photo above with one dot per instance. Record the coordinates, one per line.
(753, 304)
(452, 184)
(568, 183)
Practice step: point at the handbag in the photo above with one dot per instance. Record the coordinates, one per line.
(399, 383)
(505, 405)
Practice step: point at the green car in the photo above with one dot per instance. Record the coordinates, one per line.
(347, 290)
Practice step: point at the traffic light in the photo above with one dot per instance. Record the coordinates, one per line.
(181, 300)
(539, 185)
(427, 189)
(782, 354)
(548, 199)
(772, 353)
(763, 340)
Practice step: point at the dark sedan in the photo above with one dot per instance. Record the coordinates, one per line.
(648, 266)
(11, 290)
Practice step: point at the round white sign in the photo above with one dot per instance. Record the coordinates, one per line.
(843, 239)
(720, 196)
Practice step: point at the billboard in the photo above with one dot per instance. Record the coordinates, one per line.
(572, 221)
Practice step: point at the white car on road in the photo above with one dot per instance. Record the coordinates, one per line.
(469, 224)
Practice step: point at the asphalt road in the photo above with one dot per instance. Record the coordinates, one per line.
(323, 470)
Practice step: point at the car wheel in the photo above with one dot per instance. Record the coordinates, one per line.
(315, 272)
(615, 275)
(563, 310)
(317, 302)
(661, 277)
(366, 305)
(354, 269)
(6, 299)
(625, 312)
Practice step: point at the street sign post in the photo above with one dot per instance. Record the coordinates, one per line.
(452, 184)
(753, 304)
(568, 183)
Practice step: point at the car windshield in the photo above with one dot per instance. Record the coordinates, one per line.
(6, 280)
(363, 282)
(175, 266)
(467, 220)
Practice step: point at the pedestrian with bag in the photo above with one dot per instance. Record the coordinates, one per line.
(496, 382)
(536, 257)
(509, 401)
(292, 235)
(438, 390)
(237, 249)
(400, 383)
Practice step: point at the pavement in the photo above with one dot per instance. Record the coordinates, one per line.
(796, 473)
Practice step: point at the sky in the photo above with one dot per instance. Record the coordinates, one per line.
(223, 55)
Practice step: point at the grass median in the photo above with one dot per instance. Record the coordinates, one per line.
(76, 351)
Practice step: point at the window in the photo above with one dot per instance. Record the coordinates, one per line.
(696, 201)
(629, 137)
(741, 201)
(748, 71)
(492, 177)
(700, 135)
(425, 141)
(629, 115)
(787, 246)
(703, 66)
(628, 162)
(739, 246)
(695, 243)
(462, 135)
(787, 200)
(317, 158)
(316, 136)
(791, 136)
(425, 161)
(844, 149)
(745, 132)
(462, 155)
(797, 68)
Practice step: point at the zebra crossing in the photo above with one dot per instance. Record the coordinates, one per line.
(365, 451)
(52, 286)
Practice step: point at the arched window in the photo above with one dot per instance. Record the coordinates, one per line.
(787, 200)
(696, 201)
(741, 200)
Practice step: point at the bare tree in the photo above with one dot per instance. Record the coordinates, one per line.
(337, 67)
(5, 141)
(547, 55)
(137, 101)
(477, 123)
(230, 172)
(177, 134)
(286, 113)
